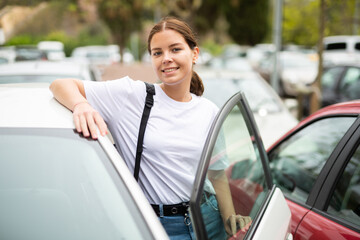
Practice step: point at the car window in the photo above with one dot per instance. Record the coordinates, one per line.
(235, 177)
(350, 85)
(55, 184)
(335, 46)
(345, 202)
(357, 46)
(330, 77)
(297, 161)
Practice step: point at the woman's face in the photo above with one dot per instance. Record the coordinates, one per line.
(172, 58)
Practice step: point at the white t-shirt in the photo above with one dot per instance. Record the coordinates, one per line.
(173, 141)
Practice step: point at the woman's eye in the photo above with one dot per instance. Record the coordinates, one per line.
(176, 49)
(156, 53)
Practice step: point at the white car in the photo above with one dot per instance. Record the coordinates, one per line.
(56, 184)
(46, 71)
(54, 50)
(271, 115)
(341, 49)
(101, 54)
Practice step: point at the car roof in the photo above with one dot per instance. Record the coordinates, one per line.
(350, 107)
(42, 68)
(32, 105)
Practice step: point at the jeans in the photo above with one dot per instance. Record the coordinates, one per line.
(179, 227)
(212, 219)
(176, 228)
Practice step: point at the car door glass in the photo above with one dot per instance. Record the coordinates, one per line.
(297, 161)
(350, 85)
(345, 201)
(235, 182)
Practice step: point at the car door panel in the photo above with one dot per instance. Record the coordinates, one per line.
(315, 226)
(297, 214)
(235, 159)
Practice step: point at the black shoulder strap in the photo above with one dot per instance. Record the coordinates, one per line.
(149, 102)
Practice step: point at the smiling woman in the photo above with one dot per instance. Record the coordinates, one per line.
(176, 130)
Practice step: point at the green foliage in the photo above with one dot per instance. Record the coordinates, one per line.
(248, 20)
(214, 48)
(203, 22)
(301, 22)
(22, 40)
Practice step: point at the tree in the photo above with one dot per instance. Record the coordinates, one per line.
(248, 20)
(123, 17)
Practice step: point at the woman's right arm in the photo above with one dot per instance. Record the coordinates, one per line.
(71, 94)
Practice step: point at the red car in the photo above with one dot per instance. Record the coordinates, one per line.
(317, 167)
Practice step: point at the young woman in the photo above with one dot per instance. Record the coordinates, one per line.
(176, 130)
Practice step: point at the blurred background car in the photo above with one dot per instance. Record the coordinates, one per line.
(46, 71)
(29, 53)
(317, 165)
(295, 70)
(238, 64)
(340, 83)
(56, 184)
(341, 49)
(271, 115)
(54, 50)
(101, 55)
(7, 55)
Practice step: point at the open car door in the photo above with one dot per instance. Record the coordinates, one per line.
(233, 195)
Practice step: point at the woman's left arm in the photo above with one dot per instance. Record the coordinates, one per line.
(220, 183)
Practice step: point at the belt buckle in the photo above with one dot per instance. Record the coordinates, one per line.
(174, 210)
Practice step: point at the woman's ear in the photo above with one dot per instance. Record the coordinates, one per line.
(196, 52)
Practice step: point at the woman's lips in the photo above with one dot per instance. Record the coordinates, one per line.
(169, 70)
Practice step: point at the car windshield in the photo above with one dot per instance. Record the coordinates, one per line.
(34, 78)
(55, 184)
(259, 98)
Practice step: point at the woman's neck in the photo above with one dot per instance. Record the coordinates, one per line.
(178, 93)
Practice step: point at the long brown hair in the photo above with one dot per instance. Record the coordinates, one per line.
(172, 23)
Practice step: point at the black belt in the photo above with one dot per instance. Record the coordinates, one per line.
(171, 210)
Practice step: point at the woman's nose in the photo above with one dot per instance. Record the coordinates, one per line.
(167, 58)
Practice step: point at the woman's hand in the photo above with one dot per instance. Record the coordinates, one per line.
(235, 222)
(87, 119)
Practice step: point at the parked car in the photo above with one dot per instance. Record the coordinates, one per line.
(341, 49)
(101, 54)
(29, 53)
(56, 184)
(54, 50)
(317, 166)
(295, 70)
(7, 55)
(340, 83)
(46, 71)
(239, 64)
(271, 115)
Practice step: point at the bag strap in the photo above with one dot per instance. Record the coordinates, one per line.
(149, 102)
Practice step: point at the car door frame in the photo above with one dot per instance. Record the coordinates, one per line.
(344, 151)
(195, 211)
